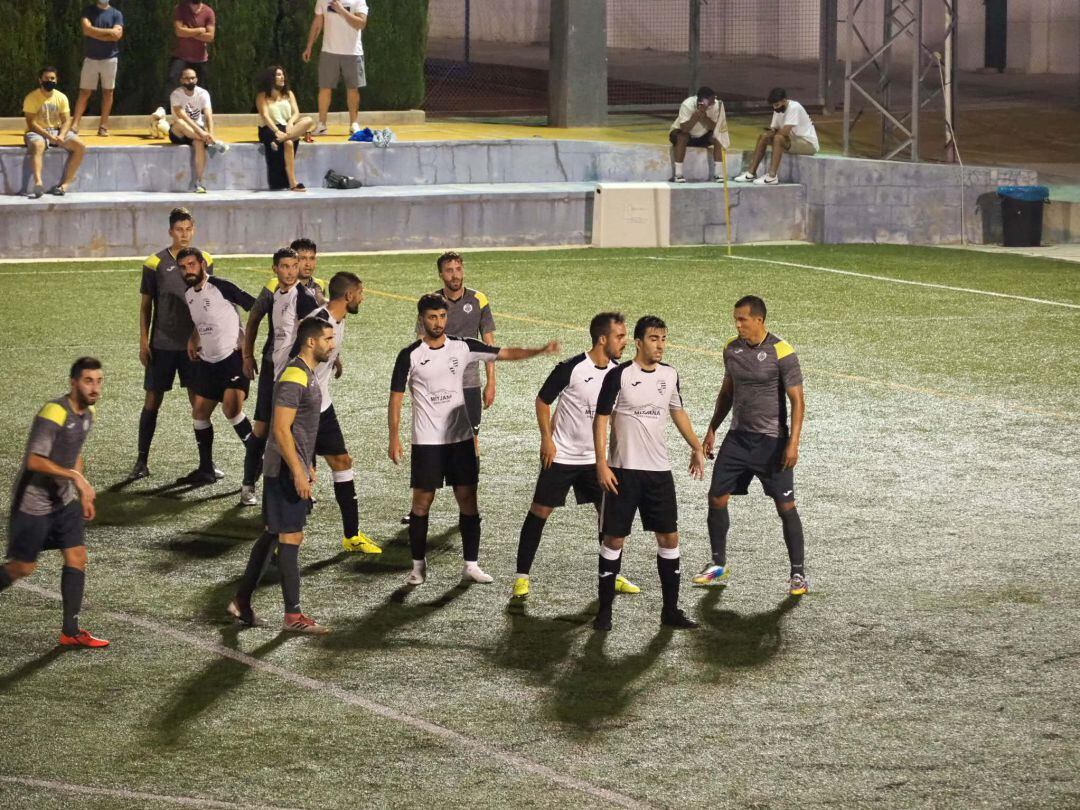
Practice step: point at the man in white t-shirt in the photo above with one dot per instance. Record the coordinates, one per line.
(790, 130)
(193, 123)
(341, 23)
(702, 123)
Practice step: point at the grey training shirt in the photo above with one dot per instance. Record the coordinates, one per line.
(297, 387)
(58, 434)
(761, 375)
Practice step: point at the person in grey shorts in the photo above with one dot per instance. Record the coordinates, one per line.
(48, 123)
(102, 28)
(342, 57)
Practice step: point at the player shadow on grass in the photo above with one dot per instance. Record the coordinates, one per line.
(598, 690)
(128, 509)
(538, 645)
(30, 668)
(740, 640)
(202, 690)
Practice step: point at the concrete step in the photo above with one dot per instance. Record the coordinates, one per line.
(1061, 222)
(372, 118)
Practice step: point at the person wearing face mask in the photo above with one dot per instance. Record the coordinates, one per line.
(790, 130)
(194, 24)
(193, 123)
(102, 28)
(48, 124)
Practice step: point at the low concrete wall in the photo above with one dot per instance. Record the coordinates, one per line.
(776, 213)
(373, 118)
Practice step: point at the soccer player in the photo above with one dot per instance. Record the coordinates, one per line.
(289, 478)
(346, 296)
(307, 255)
(761, 374)
(442, 432)
(567, 457)
(285, 303)
(52, 498)
(635, 399)
(164, 328)
(219, 376)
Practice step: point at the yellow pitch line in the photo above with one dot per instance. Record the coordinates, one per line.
(915, 389)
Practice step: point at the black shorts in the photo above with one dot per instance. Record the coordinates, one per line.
(554, 482)
(648, 492)
(474, 408)
(704, 141)
(264, 399)
(212, 380)
(284, 511)
(432, 464)
(329, 441)
(180, 140)
(744, 455)
(163, 368)
(29, 535)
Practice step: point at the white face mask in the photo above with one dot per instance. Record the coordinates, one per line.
(103, 3)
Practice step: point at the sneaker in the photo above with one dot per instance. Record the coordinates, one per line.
(140, 470)
(417, 575)
(602, 622)
(677, 619)
(248, 496)
(103, 132)
(354, 127)
(37, 192)
(360, 542)
(678, 179)
(745, 177)
(218, 474)
(199, 477)
(299, 623)
(58, 190)
(798, 585)
(472, 571)
(521, 588)
(320, 130)
(82, 639)
(623, 585)
(718, 178)
(199, 188)
(712, 575)
(242, 612)
(406, 520)
(767, 180)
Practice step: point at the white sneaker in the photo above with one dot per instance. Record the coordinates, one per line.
(745, 177)
(354, 127)
(767, 180)
(473, 571)
(417, 575)
(678, 179)
(248, 496)
(320, 130)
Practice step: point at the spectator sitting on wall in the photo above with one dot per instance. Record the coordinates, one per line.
(281, 128)
(701, 122)
(193, 123)
(341, 23)
(194, 24)
(790, 130)
(48, 123)
(102, 27)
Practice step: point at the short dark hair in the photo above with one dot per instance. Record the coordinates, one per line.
(429, 302)
(84, 364)
(310, 328)
(47, 69)
(303, 243)
(757, 306)
(600, 325)
(777, 94)
(180, 215)
(646, 323)
(449, 256)
(267, 81)
(283, 253)
(705, 92)
(190, 251)
(341, 283)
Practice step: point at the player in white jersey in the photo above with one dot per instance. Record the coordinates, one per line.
(567, 458)
(346, 294)
(432, 368)
(219, 374)
(636, 399)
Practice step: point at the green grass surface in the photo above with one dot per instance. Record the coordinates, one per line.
(934, 663)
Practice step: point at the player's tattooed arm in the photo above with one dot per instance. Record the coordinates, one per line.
(720, 412)
(798, 408)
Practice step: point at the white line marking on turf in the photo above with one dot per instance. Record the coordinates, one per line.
(417, 723)
(131, 795)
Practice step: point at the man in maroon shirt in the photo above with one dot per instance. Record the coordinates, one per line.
(194, 24)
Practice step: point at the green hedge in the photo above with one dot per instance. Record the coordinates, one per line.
(251, 34)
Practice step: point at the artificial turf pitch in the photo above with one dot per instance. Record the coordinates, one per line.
(934, 662)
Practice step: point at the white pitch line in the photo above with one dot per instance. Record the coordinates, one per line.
(131, 795)
(454, 738)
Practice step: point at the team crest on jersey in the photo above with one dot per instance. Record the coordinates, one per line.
(454, 362)
(661, 386)
(467, 309)
(761, 356)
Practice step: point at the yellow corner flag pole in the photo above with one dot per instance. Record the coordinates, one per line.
(727, 199)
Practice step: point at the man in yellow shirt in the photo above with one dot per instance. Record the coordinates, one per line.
(48, 123)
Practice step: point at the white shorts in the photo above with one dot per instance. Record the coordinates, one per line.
(95, 70)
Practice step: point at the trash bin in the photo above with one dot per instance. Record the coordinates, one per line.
(1021, 214)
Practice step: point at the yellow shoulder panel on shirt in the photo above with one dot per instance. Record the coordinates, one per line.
(152, 262)
(208, 257)
(54, 413)
(320, 283)
(481, 299)
(294, 375)
(272, 284)
(731, 341)
(783, 349)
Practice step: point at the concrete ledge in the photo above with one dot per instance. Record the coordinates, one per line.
(1061, 222)
(372, 118)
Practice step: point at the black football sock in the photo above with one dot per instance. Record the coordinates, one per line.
(6, 580)
(345, 494)
(147, 426)
(469, 526)
(793, 538)
(718, 522)
(610, 565)
(667, 565)
(242, 425)
(253, 459)
(289, 566)
(256, 564)
(204, 438)
(418, 535)
(529, 541)
(72, 585)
